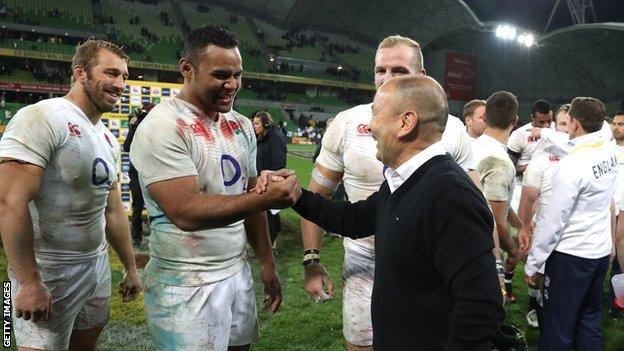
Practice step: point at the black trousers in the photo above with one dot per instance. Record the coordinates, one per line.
(137, 205)
(572, 303)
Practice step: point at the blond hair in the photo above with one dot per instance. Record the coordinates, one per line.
(471, 106)
(86, 54)
(396, 40)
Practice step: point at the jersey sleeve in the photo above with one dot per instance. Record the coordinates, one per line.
(159, 151)
(332, 147)
(458, 143)
(534, 173)
(517, 142)
(495, 179)
(32, 137)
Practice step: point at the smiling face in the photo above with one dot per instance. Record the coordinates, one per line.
(216, 78)
(384, 126)
(106, 80)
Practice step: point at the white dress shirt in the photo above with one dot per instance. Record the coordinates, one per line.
(397, 177)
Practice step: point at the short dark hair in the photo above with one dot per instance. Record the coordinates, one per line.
(541, 106)
(209, 34)
(501, 109)
(589, 112)
(619, 113)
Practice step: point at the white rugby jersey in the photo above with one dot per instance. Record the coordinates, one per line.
(538, 175)
(349, 148)
(577, 219)
(496, 171)
(521, 142)
(79, 159)
(177, 140)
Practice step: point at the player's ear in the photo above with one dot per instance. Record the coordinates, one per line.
(186, 68)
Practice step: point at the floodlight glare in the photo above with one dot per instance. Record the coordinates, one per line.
(506, 32)
(527, 39)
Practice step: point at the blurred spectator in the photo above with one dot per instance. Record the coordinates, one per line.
(271, 155)
(138, 203)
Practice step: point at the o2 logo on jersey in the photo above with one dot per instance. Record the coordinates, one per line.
(231, 170)
(100, 172)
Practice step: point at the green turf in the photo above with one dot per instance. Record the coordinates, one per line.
(300, 324)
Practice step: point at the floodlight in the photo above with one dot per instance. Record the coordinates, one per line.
(506, 32)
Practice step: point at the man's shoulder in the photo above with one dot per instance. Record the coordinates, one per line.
(486, 146)
(54, 112)
(445, 173)
(363, 111)
(521, 132)
(442, 168)
(48, 108)
(165, 113)
(239, 119)
(454, 123)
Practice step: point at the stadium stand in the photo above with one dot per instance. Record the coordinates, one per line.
(59, 48)
(66, 14)
(250, 46)
(150, 32)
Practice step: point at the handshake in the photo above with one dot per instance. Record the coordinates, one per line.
(280, 189)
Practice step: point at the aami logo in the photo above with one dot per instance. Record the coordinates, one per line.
(362, 130)
(73, 129)
(553, 158)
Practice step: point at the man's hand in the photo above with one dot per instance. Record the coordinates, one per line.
(315, 276)
(33, 302)
(535, 133)
(524, 238)
(130, 288)
(282, 194)
(272, 287)
(267, 176)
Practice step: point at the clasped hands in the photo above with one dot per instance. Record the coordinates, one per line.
(281, 188)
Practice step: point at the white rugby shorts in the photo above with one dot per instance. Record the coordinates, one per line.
(205, 317)
(357, 274)
(81, 295)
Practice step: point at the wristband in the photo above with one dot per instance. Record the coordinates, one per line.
(311, 261)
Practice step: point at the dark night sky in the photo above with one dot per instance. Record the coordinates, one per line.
(532, 15)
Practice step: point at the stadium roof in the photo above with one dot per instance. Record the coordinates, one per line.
(369, 20)
(582, 60)
(571, 61)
